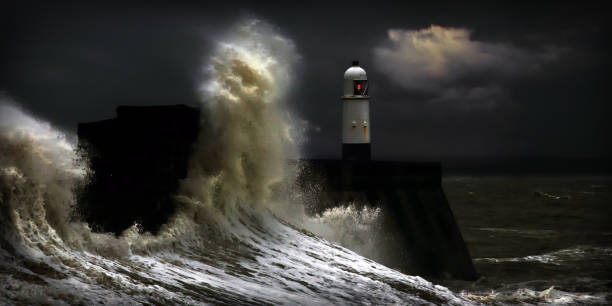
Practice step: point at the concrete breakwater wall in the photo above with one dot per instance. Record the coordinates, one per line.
(415, 209)
(137, 159)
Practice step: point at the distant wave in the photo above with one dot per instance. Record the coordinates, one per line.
(558, 257)
(535, 297)
(533, 233)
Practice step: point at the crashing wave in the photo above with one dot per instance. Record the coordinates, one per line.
(227, 243)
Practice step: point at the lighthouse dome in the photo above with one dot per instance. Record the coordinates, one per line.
(355, 81)
(355, 72)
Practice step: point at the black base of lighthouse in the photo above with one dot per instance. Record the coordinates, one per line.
(356, 151)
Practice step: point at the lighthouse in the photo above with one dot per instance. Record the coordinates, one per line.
(356, 125)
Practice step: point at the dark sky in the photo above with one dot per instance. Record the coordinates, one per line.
(485, 81)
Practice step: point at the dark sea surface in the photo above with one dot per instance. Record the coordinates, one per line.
(530, 234)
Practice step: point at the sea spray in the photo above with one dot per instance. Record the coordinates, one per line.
(39, 171)
(246, 138)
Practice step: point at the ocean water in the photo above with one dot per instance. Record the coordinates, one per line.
(535, 239)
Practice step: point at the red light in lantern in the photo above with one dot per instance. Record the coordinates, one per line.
(358, 86)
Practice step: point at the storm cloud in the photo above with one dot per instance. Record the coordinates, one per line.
(451, 66)
(479, 81)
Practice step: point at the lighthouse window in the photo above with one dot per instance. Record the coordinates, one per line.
(360, 87)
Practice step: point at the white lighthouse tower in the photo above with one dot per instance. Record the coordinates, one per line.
(355, 114)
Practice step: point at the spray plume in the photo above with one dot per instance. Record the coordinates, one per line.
(246, 135)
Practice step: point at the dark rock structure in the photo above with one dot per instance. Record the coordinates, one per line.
(136, 162)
